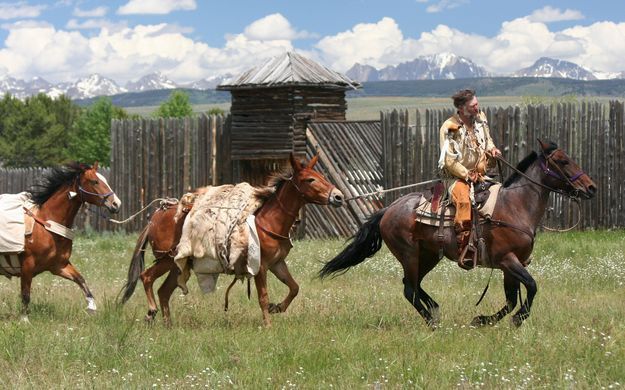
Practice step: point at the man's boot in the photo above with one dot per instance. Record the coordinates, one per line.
(465, 250)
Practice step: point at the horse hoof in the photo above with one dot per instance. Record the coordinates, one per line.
(150, 316)
(91, 311)
(273, 308)
(24, 319)
(517, 320)
(481, 321)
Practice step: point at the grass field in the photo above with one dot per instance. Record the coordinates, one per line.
(353, 331)
(368, 108)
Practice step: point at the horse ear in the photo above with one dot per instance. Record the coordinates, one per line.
(313, 161)
(547, 147)
(95, 166)
(297, 166)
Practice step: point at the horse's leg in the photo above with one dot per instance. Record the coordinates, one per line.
(281, 271)
(409, 259)
(511, 289)
(427, 262)
(71, 273)
(513, 266)
(148, 277)
(165, 292)
(26, 279)
(260, 279)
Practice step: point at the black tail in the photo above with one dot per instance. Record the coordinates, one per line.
(365, 243)
(136, 265)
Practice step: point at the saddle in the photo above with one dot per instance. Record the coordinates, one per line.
(436, 210)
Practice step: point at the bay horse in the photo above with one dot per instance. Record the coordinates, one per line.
(57, 198)
(509, 234)
(283, 198)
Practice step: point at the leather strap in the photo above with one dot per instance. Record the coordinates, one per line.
(38, 220)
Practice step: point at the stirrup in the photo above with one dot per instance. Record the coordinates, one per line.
(463, 256)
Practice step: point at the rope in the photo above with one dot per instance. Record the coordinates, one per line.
(142, 210)
(393, 189)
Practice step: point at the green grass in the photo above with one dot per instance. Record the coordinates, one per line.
(353, 331)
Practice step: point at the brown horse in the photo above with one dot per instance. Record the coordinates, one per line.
(57, 199)
(509, 235)
(284, 197)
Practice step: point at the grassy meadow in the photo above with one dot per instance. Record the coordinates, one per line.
(353, 331)
(368, 108)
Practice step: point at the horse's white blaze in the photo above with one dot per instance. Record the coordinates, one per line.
(116, 201)
(91, 304)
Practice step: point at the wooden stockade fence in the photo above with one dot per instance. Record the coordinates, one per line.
(17, 180)
(166, 157)
(590, 132)
(155, 158)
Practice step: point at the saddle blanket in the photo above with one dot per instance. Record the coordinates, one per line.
(219, 236)
(425, 215)
(12, 226)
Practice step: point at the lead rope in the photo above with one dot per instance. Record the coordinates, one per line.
(142, 210)
(393, 189)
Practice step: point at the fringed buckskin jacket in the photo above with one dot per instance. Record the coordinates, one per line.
(464, 147)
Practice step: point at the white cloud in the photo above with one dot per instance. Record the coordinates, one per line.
(443, 5)
(549, 14)
(123, 53)
(97, 12)
(365, 43)
(274, 27)
(20, 10)
(156, 6)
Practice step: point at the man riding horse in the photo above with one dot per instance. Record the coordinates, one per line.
(466, 148)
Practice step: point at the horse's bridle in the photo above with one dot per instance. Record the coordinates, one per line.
(301, 194)
(82, 191)
(280, 237)
(560, 175)
(544, 166)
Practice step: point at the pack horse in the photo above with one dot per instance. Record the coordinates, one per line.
(508, 234)
(38, 225)
(175, 232)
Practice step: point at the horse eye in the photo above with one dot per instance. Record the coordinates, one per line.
(309, 180)
(94, 182)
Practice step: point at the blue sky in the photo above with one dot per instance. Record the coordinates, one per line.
(187, 40)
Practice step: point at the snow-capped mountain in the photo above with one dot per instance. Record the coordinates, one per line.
(94, 85)
(155, 80)
(209, 82)
(549, 67)
(434, 67)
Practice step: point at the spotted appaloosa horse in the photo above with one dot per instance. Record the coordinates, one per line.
(283, 198)
(509, 234)
(58, 198)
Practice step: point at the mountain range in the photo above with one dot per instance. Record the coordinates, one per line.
(97, 85)
(448, 66)
(444, 66)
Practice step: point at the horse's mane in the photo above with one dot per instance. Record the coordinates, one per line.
(276, 180)
(527, 161)
(522, 166)
(54, 179)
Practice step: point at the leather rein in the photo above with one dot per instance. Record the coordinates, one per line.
(544, 161)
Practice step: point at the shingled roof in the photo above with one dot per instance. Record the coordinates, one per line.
(289, 69)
